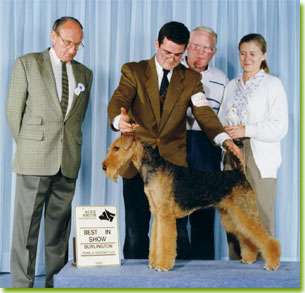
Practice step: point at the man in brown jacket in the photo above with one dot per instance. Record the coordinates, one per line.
(155, 94)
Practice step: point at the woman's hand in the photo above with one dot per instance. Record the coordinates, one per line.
(235, 131)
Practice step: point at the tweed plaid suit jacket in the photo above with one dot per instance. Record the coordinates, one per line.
(45, 140)
(138, 93)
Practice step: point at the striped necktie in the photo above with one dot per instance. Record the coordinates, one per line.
(65, 89)
(163, 88)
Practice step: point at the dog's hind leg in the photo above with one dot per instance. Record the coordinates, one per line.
(226, 221)
(248, 249)
(256, 233)
(246, 220)
(166, 240)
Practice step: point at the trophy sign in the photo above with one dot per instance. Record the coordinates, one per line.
(97, 237)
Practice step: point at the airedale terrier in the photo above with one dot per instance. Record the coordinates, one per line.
(174, 192)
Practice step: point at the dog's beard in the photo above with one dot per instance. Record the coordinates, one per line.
(113, 174)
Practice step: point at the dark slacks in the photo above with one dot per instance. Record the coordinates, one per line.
(137, 217)
(55, 194)
(201, 155)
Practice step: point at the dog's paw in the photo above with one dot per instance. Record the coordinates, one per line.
(161, 269)
(272, 266)
(152, 261)
(152, 265)
(247, 260)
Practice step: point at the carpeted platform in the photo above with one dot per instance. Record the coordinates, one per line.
(186, 274)
(6, 282)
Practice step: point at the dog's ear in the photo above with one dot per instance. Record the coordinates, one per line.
(127, 140)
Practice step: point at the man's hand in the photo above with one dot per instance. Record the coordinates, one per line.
(125, 125)
(228, 144)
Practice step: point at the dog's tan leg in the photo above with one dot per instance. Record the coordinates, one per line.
(272, 254)
(153, 243)
(227, 221)
(246, 220)
(166, 241)
(269, 246)
(153, 237)
(248, 249)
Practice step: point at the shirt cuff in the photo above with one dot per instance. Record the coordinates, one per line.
(115, 122)
(220, 138)
(250, 131)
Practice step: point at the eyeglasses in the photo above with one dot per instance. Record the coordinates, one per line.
(69, 44)
(202, 48)
(168, 55)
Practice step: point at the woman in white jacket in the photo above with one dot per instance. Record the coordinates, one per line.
(254, 112)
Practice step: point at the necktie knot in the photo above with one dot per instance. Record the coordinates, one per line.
(165, 72)
(63, 66)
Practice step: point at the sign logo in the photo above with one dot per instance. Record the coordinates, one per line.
(106, 215)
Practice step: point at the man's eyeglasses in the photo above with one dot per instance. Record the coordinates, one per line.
(69, 44)
(202, 48)
(168, 55)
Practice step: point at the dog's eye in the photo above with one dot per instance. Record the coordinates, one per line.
(116, 148)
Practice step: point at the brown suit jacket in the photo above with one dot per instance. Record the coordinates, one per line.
(138, 93)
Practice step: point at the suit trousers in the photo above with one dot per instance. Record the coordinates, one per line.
(265, 190)
(33, 193)
(201, 155)
(137, 223)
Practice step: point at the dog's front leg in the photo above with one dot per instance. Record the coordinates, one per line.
(153, 236)
(166, 241)
(153, 243)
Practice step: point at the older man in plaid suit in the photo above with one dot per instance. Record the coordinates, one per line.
(47, 101)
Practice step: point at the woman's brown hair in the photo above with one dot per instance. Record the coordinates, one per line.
(260, 41)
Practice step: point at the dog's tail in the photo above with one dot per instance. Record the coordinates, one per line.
(238, 162)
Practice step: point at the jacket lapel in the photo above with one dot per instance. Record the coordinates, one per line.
(174, 90)
(152, 88)
(48, 79)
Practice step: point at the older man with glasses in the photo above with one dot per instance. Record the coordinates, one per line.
(201, 154)
(47, 101)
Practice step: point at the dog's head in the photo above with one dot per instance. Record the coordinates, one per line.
(119, 153)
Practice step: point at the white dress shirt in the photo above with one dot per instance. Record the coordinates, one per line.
(57, 71)
(160, 72)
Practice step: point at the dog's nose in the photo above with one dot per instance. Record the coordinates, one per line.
(104, 167)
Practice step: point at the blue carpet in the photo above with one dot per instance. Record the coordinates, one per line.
(5, 281)
(185, 274)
